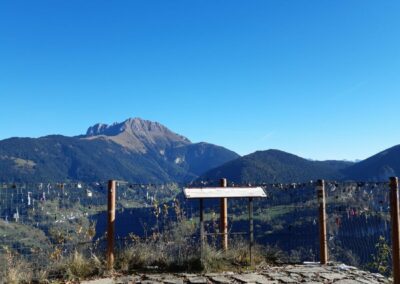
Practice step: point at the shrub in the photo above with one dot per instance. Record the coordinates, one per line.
(381, 260)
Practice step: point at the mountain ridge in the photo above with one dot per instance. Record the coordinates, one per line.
(137, 134)
(143, 150)
(134, 150)
(276, 166)
(379, 167)
(280, 166)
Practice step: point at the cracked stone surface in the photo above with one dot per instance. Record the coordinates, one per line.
(306, 273)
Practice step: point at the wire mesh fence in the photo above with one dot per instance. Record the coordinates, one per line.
(43, 223)
(288, 219)
(359, 224)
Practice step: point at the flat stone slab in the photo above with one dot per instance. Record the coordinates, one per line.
(128, 280)
(347, 281)
(100, 281)
(170, 280)
(308, 275)
(366, 281)
(274, 275)
(286, 279)
(308, 269)
(221, 279)
(187, 275)
(311, 274)
(251, 278)
(198, 280)
(332, 276)
(154, 277)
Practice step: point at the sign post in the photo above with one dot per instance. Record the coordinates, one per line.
(224, 217)
(223, 193)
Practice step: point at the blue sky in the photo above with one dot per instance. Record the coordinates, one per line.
(316, 78)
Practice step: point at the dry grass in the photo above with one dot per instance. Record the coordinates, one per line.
(177, 249)
(77, 267)
(20, 273)
(174, 249)
(237, 257)
(15, 270)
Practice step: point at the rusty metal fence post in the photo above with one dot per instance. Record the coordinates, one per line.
(224, 217)
(112, 188)
(251, 231)
(323, 244)
(202, 233)
(394, 215)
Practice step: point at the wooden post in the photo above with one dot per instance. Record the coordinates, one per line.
(394, 214)
(224, 217)
(323, 244)
(112, 188)
(251, 231)
(202, 237)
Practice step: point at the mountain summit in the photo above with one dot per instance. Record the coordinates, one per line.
(135, 150)
(138, 135)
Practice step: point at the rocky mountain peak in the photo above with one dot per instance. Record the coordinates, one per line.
(138, 134)
(97, 129)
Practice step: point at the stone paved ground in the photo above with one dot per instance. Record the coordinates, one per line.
(306, 273)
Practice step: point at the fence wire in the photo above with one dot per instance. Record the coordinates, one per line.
(359, 224)
(45, 222)
(41, 223)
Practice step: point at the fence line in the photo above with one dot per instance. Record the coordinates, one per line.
(289, 216)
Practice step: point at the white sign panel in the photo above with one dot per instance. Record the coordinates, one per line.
(224, 192)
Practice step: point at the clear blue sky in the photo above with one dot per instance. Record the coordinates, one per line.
(317, 78)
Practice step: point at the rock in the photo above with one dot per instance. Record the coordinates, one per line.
(251, 278)
(311, 274)
(128, 280)
(154, 277)
(100, 281)
(221, 279)
(347, 281)
(150, 282)
(286, 279)
(186, 275)
(307, 269)
(198, 280)
(366, 281)
(274, 275)
(173, 280)
(332, 276)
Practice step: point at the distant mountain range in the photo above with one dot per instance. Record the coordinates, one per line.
(135, 150)
(378, 167)
(277, 166)
(138, 150)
